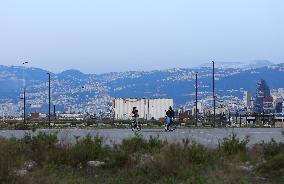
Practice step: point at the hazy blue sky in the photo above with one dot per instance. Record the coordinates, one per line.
(98, 36)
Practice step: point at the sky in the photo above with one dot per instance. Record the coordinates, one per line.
(98, 36)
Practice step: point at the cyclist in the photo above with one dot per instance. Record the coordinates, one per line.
(135, 117)
(170, 115)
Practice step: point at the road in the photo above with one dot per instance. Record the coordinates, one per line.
(207, 137)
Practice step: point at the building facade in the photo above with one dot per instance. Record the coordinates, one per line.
(262, 91)
(247, 99)
(147, 108)
(268, 107)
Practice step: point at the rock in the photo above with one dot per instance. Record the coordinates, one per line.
(29, 165)
(26, 168)
(247, 167)
(95, 164)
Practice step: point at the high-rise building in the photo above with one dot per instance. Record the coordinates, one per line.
(262, 91)
(247, 99)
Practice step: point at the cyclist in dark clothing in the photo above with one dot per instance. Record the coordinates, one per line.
(135, 117)
(169, 118)
(170, 113)
(135, 113)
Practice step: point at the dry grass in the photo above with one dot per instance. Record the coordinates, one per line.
(137, 160)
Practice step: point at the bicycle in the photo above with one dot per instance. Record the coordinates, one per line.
(169, 126)
(135, 125)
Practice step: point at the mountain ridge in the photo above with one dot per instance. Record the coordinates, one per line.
(226, 65)
(74, 88)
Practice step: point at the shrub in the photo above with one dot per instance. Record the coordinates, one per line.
(272, 148)
(140, 145)
(256, 153)
(274, 167)
(133, 145)
(168, 162)
(40, 148)
(137, 160)
(21, 126)
(198, 154)
(130, 151)
(86, 149)
(4, 161)
(233, 144)
(155, 144)
(180, 161)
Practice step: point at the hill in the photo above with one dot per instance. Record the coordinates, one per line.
(76, 89)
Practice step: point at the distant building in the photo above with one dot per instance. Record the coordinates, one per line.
(279, 107)
(35, 115)
(268, 105)
(70, 110)
(247, 99)
(148, 108)
(199, 108)
(262, 91)
(72, 116)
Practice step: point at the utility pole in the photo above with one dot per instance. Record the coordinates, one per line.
(214, 98)
(230, 118)
(49, 99)
(24, 105)
(236, 121)
(262, 117)
(240, 120)
(54, 114)
(246, 119)
(24, 95)
(196, 111)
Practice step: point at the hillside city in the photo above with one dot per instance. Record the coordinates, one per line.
(78, 96)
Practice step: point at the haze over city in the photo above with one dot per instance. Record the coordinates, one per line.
(109, 35)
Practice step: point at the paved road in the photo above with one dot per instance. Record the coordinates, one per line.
(207, 137)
